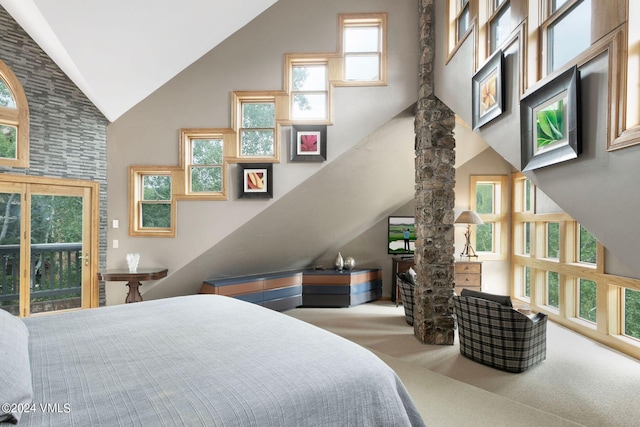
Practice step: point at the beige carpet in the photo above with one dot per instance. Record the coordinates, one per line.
(581, 382)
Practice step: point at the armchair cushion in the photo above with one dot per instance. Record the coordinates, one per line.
(501, 299)
(499, 336)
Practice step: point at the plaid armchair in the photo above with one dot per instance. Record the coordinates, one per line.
(406, 285)
(500, 336)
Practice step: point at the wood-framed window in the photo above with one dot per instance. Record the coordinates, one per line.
(152, 206)
(463, 19)
(489, 197)
(564, 32)
(256, 123)
(309, 79)
(14, 121)
(309, 88)
(362, 42)
(203, 157)
(499, 24)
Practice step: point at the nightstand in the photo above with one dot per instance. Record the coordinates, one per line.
(468, 274)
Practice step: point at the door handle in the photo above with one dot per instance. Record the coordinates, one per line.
(85, 258)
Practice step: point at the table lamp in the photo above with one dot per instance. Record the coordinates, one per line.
(468, 217)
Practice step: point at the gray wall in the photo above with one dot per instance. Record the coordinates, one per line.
(599, 189)
(67, 132)
(316, 207)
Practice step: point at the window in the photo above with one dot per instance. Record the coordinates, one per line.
(363, 45)
(256, 126)
(462, 20)
(204, 163)
(153, 206)
(553, 240)
(565, 31)
(14, 121)
(631, 313)
(499, 24)
(309, 92)
(553, 289)
(587, 300)
(489, 201)
(587, 246)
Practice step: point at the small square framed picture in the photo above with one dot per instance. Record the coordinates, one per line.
(308, 143)
(255, 180)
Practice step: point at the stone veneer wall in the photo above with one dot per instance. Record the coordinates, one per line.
(68, 134)
(435, 198)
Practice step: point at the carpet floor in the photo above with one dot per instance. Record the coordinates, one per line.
(580, 383)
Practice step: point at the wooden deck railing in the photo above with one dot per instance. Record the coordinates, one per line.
(56, 271)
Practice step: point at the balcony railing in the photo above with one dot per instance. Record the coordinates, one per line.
(56, 271)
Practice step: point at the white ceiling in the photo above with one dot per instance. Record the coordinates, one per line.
(120, 51)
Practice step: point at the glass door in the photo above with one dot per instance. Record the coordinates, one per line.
(11, 196)
(47, 247)
(57, 253)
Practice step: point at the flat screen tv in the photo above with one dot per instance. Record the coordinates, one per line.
(401, 235)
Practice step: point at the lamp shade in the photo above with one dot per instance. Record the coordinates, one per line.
(469, 217)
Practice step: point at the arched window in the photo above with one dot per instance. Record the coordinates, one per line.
(14, 121)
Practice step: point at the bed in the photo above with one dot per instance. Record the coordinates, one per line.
(194, 360)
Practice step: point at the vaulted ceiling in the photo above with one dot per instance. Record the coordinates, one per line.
(120, 51)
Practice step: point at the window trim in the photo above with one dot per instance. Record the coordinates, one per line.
(238, 98)
(291, 60)
(18, 117)
(183, 185)
(362, 19)
(136, 173)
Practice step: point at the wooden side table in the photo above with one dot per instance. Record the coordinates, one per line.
(133, 279)
(468, 274)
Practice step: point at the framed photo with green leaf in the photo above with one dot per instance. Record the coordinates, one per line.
(550, 122)
(488, 91)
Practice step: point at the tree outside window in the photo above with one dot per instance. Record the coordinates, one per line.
(155, 206)
(257, 129)
(207, 158)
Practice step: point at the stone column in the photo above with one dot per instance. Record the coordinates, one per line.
(435, 197)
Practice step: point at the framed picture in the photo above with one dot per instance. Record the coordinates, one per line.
(488, 91)
(550, 122)
(308, 143)
(255, 180)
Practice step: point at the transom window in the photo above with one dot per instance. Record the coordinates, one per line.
(14, 121)
(362, 44)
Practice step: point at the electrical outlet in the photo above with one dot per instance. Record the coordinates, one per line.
(116, 223)
(115, 244)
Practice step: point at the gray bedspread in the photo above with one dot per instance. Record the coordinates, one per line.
(205, 360)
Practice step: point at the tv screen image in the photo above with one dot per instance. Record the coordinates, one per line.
(401, 235)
